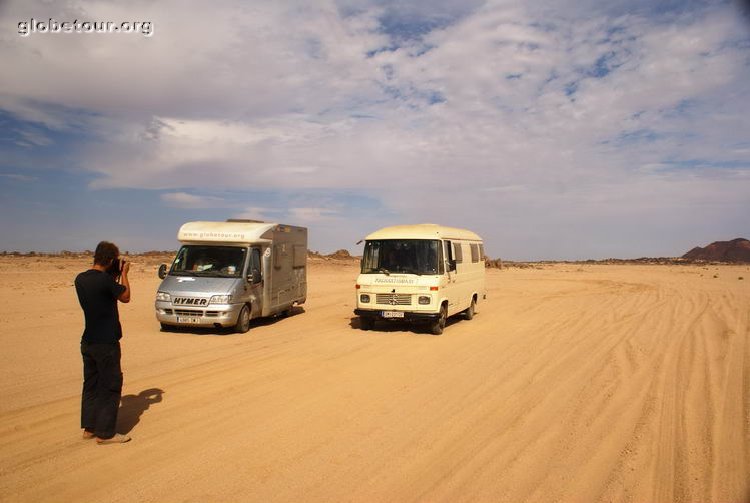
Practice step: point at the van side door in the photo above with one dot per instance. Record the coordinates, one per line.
(451, 273)
(254, 279)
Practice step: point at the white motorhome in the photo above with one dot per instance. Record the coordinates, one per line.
(422, 273)
(227, 273)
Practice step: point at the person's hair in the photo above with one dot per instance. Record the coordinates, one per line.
(105, 253)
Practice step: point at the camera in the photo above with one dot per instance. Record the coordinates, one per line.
(115, 268)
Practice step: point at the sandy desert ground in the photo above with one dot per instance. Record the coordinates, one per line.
(572, 383)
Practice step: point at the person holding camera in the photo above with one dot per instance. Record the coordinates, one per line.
(99, 289)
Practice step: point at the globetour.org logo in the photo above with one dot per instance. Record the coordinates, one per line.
(51, 25)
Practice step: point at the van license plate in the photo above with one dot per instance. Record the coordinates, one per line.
(188, 319)
(393, 314)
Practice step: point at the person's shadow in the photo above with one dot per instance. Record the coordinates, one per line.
(133, 406)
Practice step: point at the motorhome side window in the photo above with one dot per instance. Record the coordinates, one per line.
(254, 269)
(406, 256)
(209, 261)
(299, 258)
(276, 257)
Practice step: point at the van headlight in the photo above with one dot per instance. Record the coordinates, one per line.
(163, 296)
(424, 300)
(364, 298)
(220, 299)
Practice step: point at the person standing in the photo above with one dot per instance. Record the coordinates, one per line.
(99, 289)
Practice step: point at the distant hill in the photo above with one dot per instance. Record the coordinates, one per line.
(736, 250)
(338, 255)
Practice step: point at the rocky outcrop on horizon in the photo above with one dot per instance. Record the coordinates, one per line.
(735, 251)
(338, 255)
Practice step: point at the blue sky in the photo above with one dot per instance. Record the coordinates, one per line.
(556, 130)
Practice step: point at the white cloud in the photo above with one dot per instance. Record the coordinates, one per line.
(33, 138)
(258, 213)
(185, 200)
(311, 215)
(18, 178)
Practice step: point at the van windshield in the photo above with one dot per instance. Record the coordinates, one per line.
(209, 261)
(410, 256)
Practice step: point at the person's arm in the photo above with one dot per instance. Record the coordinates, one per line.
(125, 295)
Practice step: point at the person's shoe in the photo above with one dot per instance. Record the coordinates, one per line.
(119, 438)
(88, 435)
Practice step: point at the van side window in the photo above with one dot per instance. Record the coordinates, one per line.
(441, 261)
(459, 252)
(481, 251)
(254, 270)
(449, 254)
(474, 253)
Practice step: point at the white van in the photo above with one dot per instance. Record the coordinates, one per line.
(422, 273)
(227, 273)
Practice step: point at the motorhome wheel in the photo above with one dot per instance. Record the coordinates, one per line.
(243, 320)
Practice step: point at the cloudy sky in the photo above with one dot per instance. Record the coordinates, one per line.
(564, 129)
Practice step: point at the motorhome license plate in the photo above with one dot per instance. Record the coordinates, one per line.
(393, 314)
(188, 319)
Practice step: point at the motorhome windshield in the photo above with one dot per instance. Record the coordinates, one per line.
(410, 256)
(209, 261)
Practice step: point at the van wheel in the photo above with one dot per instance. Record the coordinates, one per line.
(243, 320)
(166, 328)
(437, 326)
(366, 323)
(469, 313)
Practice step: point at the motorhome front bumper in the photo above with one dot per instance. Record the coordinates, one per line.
(389, 315)
(221, 314)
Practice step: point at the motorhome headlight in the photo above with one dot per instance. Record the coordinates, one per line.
(163, 296)
(424, 300)
(220, 299)
(364, 298)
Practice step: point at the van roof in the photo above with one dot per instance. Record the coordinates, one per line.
(424, 231)
(224, 232)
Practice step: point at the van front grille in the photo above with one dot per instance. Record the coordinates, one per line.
(187, 312)
(393, 299)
